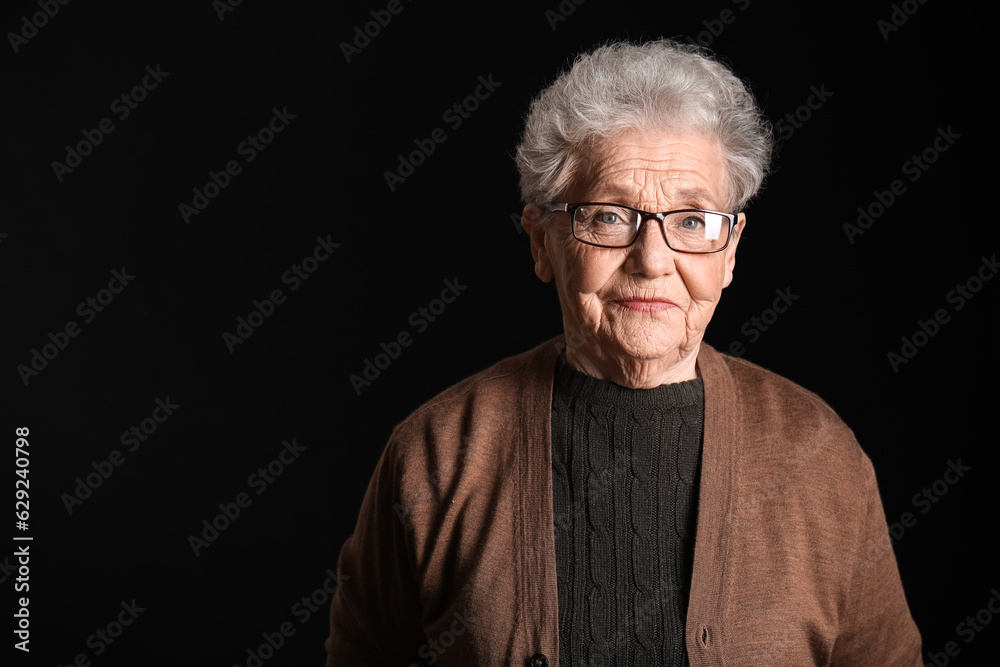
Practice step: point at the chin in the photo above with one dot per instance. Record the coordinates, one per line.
(639, 347)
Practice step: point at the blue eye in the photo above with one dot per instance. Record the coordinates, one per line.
(692, 222)
(603, 215)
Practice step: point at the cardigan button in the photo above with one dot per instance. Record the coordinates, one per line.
(538, 660)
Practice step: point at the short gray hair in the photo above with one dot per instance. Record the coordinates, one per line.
(658, 86)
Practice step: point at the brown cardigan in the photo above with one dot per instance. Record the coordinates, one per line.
(453, 556)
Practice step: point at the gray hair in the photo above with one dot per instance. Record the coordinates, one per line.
(658, 86)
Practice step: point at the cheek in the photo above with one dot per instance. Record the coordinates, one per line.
(704, 280)
(589, 270)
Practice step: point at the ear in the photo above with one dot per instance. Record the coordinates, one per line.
(531, 220)
(741, 221)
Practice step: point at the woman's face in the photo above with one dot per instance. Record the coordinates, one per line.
(637, 315)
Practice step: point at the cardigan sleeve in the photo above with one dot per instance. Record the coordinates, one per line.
(876, 627)
(375, 612)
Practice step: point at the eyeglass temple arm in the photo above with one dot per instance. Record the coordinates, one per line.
(553, 206)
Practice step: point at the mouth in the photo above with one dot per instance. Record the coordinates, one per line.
(646, 305)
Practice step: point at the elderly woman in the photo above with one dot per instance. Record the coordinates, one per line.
(625, 494)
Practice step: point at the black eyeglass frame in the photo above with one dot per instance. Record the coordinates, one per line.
(643, 217)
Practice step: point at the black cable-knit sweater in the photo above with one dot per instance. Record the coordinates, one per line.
(625, 479)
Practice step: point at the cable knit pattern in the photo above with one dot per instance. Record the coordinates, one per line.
(624, 467)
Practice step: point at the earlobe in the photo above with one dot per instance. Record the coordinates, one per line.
(543, 268)
(531, 221)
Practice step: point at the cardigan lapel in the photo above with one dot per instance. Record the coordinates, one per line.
(538, 627)
(710, 575)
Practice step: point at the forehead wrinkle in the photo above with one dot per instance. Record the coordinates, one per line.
(677, 172)
(653, 189)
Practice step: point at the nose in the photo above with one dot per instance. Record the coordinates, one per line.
(650, 255)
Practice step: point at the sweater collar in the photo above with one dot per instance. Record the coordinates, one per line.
(572, 382)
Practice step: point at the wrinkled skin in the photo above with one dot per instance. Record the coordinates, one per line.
(639, 349)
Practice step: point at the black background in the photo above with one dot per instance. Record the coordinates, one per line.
(323, 176)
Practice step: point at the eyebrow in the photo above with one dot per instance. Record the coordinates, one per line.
(695, 195)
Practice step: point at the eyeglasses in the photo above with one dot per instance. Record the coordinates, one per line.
(691, 230)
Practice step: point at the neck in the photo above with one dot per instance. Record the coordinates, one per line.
(635, 373)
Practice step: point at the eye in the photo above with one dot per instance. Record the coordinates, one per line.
(611, 216)
(692, 222)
